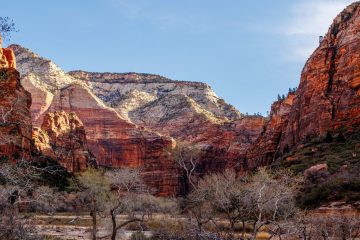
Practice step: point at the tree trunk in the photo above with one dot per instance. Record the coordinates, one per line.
(94, 221)
(243, 229)
(255, 230)
(94, 224)
(113, 221)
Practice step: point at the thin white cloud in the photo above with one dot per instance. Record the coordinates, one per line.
(170, 16)
(310, 19)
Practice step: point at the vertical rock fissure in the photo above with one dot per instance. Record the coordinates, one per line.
(332, 68)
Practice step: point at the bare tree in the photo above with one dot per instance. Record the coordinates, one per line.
(225, 194)
(187, 157)
(261, 200)
(311, 226)
(19, 187)
(273, 196)
(94, 194)
(127, 182)
(5, 113)
(7, 26)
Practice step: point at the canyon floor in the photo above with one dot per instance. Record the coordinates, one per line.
(68, 226)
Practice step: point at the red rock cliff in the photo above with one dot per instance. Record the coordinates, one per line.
(190, 112)
(264, 149)
(62, 137)
(329, 92)
(15, 120)
(328, 96)
(112, 139)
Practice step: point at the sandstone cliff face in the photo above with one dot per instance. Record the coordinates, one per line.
(328, 96)
(189, 112)
(113, 140)
(41, 78)
(62, 138)
(115, 89)
(15, 120)
(263, 151)
(130, 119)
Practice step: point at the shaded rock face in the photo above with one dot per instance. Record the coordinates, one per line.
(327, 99)
(62, 137)
(15, 120)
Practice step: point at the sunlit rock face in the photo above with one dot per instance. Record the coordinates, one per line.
(116, 90)
(15, 120)
(113, 140)
(186, 111)
(328, 96)
(62, 137)
(264, 149)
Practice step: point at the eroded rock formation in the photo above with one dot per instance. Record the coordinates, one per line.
(130, 119)
(62, 138)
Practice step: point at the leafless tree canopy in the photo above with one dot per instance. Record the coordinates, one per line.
(258, 200)
(187, 157)
(19, 186)
(126, 180)
(7, 26)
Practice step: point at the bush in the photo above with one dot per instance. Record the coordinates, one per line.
(4, 74)
(314, 196)
(53, 174)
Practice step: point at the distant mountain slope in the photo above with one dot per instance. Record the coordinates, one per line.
(115, 88)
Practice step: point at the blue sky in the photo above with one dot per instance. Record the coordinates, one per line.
(248, 51)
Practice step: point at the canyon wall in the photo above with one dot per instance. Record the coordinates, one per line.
(15, 120)
(189, 112)
(327, 99)
(113, 140)
(133, 119)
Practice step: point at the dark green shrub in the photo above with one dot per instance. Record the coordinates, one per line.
(314, 196)
(53, 174)
(4, 74)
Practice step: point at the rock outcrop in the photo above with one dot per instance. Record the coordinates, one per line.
(265, 148)
(62, 138)
(328, 96)
(15, 119)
